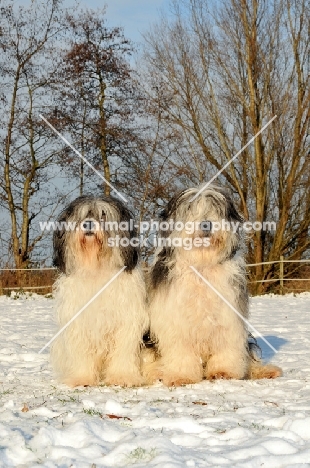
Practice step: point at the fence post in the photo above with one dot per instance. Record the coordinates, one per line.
(281, 275)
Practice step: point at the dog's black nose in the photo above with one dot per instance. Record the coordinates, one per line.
(88, 227)
(206, 227)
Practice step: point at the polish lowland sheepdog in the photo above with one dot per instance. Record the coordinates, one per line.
(196, 334)
(103, 343)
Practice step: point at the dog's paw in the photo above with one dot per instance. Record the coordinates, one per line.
(152, 376)
(125, 380)
(272, 372)
(80, 382)
(267, 371)
(177, 381)
(217, 375)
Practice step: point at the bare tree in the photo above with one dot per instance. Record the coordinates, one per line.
(105, 108)
(225, 73)
(97, 99)
(28, 63)
(74, 70)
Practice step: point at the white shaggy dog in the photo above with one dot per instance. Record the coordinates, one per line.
(196, 334)
(103, 343)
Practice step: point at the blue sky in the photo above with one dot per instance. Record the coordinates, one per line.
(135, 16)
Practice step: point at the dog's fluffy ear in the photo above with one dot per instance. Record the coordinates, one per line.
(129, 254)
(170, 210)
(60, 236)
(160, 271)
(59, 245)
(232, 213)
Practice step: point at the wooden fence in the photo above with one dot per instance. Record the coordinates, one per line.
(37, 280)
(281, 277)
(12, 279)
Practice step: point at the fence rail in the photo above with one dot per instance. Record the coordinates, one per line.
(280, 279)
(278, 261)
(39, 280)
(27, 287)
(28, 269)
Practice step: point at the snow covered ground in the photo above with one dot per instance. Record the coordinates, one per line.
(225, 423)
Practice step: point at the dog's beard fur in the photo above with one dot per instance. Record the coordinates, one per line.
(85, 252)
(103, 342)
(196, 333)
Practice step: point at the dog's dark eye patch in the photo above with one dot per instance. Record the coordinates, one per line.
(206, 226)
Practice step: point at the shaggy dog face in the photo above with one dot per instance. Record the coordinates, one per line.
(214, 205)
(93, 220)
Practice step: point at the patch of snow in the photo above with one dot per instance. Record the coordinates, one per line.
(222, 423)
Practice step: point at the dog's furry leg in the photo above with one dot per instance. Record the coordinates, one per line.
(149, 365)
(169, 368)
(175, 371)
(73, 367)
(179, 362)
(74, 355)
(228, 351)
(123, 363)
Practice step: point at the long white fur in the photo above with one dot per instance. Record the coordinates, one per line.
(103, 343)
(197, 334)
